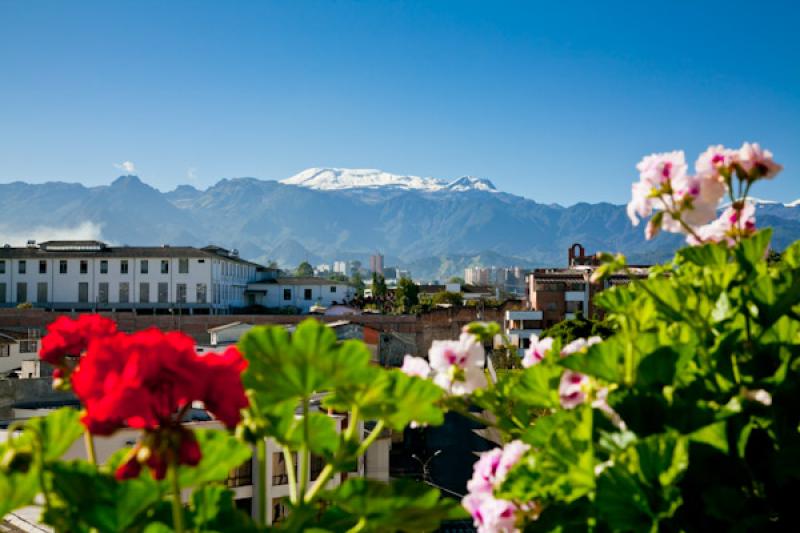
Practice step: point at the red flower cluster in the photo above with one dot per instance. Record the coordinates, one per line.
(143, 380)
(70, 338)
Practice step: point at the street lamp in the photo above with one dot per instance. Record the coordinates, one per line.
(424, 464)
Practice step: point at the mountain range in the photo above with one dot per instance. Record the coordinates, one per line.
(431, 226)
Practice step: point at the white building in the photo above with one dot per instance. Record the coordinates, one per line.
(520, 325)
(302, 293)
(17, 348)
(90, 275)
(341, 267)
(243, 481)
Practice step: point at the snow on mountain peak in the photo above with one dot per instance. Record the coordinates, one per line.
(368, 178)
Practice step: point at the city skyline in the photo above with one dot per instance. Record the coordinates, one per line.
(524, 95)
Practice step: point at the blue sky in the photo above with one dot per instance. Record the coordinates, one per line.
(556, 101)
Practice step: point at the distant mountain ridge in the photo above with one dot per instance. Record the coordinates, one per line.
(433, 227)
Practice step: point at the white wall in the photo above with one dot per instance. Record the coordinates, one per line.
(15, 358)
(320, 294)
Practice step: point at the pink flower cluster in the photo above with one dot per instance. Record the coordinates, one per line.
(684, 203)
(456, 366)
(492, 514)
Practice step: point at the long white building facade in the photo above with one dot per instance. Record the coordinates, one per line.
(91, 275)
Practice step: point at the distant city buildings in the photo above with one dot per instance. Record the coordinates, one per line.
(510, 280)
(556, 294)
(376, 263)
(341, 267)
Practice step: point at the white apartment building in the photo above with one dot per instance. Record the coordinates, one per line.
(302, 293)
(341, 267)
(93, 276)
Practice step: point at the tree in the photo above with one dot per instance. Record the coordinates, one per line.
(578, 327)
(456, 279)
(357, 282)
(406, 295)
(379, 288)
(444, 297)
(304, 270)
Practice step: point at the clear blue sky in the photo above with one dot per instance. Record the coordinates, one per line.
(556, 101)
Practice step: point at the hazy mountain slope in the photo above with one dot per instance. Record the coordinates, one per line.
(431, 226)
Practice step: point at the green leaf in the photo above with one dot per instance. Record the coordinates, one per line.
(58, 430)
(402, 504)
(604, 360)
(222, 453)
(715, 435)
(638, 490)
(212, 508)
(323, 438)
(707, 255)
(561, 465)
(753, 250)
(538, 386)
(88, 498)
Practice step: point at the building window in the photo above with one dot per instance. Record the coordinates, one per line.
(102, 293)
(22, 292)
(241, 476)
(181, 293)
(143, 266)
(5, 350)
(31, 345)
(201, 293)
(306, 294)
(62, 266)
(280, 474)
(2, 267)
(42, 267)
(83, 292)
(21, 266)
(41, 293)
(144, 293)
(163, 293)
(124, 292)
(280, 510)
(84, 266)
(183, 266)
(287, 294)
(2, 293)
(123, 266)
(164, 266)
(103, 266)
(333, 288)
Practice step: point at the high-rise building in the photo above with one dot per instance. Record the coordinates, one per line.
(376, 263)
(341, 267)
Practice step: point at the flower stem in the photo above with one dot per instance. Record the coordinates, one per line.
(323, 478)
(305, 459)
(88, 441)
(177, 504)
(290, 474)
(261, 452)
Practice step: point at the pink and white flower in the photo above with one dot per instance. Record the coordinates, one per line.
(732, 224)
(580, 345)
(458, 365)
(659, 169)
(537, 350)
(491, 514)
(415, 366)
(574, 389)
(714, 159)
(757, 162)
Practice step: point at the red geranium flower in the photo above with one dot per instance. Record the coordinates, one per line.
(224, 395)
(67, 337)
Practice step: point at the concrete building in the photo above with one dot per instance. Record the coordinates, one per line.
(341, 267)
(17, 348)
(243, 481)
(301, 293)
(93, 276)
(556, 294)
(376, 263)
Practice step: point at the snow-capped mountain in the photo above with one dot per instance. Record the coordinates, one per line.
(327, 179)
